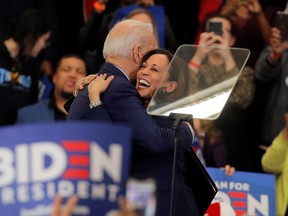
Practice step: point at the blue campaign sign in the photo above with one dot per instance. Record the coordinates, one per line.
(248, 193)
(84, 158)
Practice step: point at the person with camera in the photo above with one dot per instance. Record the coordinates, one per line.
(214, 67)
(271, 70)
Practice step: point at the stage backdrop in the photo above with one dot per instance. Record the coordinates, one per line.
(248, 193)
(39, 161)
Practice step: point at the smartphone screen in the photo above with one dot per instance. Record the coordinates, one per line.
(141, 196)
(281, 23)
(215, 27)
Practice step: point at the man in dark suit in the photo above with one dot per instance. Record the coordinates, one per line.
(124, 47)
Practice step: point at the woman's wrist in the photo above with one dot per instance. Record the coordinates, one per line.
(94, 96)
(194, 64)
(94, 101)
(94, 104)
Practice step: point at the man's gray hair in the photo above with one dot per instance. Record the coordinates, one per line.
(124, 36)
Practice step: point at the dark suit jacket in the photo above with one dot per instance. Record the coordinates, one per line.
(152, 145)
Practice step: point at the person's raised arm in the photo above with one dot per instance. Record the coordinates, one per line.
(69, 206)
(277, 46)
(256, 8)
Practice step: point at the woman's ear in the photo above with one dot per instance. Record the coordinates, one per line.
(137, 55)
(170, 86)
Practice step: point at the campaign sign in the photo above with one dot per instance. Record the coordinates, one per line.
(83, 158)
(249, 194)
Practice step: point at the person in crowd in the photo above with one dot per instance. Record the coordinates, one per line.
(252, 21)
(69, 69)
(10, 10)
(123, 104)
(69, 206)
(144, 15)
(271, 69)
(92, 35)
(163, 29)
(67, 209)
(19, 71)
(211, 143)
(218, 135)
(274, 161)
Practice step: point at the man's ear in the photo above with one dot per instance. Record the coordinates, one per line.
(137, 54)
(170, 86)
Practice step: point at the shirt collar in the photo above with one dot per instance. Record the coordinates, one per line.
(122, 72)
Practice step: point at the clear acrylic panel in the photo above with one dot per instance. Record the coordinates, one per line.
(204, 77)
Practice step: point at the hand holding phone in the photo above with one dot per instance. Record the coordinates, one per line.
(215, 27)
(281, 23)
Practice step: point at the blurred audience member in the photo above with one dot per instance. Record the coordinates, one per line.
(252, 21)
(253, 24)
(10, 10)
(271, 68)
(214, 148)
(69, 69)
(146, 16)
(206, 7)
(275, 161)
(92, 35)
(18, 68)
(165, 33)
(67, 210)
(218, 134)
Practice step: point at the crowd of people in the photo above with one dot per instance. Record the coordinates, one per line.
(131, 44)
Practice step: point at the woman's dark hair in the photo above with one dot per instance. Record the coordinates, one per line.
(165, 52)
(28, 27)
(178, 71)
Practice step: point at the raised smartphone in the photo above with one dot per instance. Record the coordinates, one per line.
(281, 23)
(215, 27)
